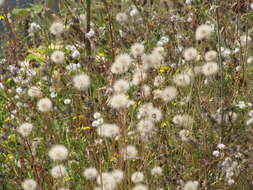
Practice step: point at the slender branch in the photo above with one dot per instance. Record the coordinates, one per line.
(88, 19)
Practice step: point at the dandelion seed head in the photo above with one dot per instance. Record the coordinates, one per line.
(182, 80)
(203, 32)
(191, 185)
(245, 40)
(118, 175)
(121, 17)
(137, 177)
(190, 54)
(58, 57)
(25, 129)
(106, 180)
(58, 171)
(145, 127)
(130, 152)
(137, 49)
(146, 90)
(45, 105)
(121, 64)
(158, 80)
(81, 81)
(121, 86)
(169, 93)
(210, 68)
(90, 173)
(56, 28)
(211, 55)
(29, 184)
(108, 130)
(155, 115)
(118, 101)
(140, 187)
(138, 77)
(184, 135)
(34, 91)
(157, 171)
(184, 120)
(63, 188)
(58, 152)
(2, 2)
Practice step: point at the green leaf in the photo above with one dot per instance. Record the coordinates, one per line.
(20, 12)
(51, 4)
(35, 57)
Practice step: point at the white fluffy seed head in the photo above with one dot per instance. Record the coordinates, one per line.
(169, 93)
(203, 32)
(108, 130)
(63, 188)
(145, 127)
(34, 91)
(121, 17)
(121, 64)
(155, 115)
(56, 28)
(118, 175)
(182, 80)
(118, 101)
(137, 49)
(45, 105)
(158, 80)
(184, 135)
(183, 120)
(210, 68)
(211, 55)
(58, 57)
(58, 152)
(190, 54)
(138, 77)
(81, 81)
(157, 171)
(90, 173)
(29, 184)
(245, 40)
(150, 61)
(191, 185)
(106, 180)
(146, 90)
(1, 2)
(130, 152)
(137, 177)
(140, 187)
(121, 86)
(58, 171)
(25, 129)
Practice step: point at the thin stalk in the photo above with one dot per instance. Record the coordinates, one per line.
(88, 20)
(221, 82)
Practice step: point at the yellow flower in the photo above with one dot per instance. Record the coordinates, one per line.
(6, 120)
(1, 17)
(54, 46)
(68, 178)
(81, 116)
(113, 159)
(10, 157)
(101, 54)
(163, 124)
(85, 128)
(163, 69)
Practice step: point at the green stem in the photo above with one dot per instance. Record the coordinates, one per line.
(88, 19)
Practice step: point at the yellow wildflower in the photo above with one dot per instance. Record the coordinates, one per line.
(163, 69)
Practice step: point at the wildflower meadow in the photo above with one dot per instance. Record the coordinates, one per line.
(126, 95)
